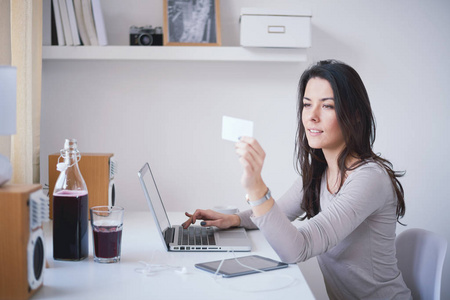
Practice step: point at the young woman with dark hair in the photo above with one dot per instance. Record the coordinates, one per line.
(355, 119)
(349, 198)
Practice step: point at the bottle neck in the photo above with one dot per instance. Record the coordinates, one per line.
(71, 158)
(70, 177)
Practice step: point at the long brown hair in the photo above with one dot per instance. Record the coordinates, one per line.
(355, 118)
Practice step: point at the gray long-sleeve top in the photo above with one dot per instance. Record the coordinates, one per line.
(353, 236)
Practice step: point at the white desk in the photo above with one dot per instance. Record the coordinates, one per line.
(140, 242)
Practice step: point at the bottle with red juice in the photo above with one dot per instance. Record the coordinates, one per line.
(70, 207)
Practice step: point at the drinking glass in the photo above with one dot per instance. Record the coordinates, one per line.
(107, 223)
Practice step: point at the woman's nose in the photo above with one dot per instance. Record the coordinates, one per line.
(313, 114)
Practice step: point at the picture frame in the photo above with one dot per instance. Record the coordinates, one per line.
(191, 23)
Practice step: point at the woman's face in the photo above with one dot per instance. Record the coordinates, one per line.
(319, 117)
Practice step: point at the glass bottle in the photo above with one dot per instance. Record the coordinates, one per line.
(70, 207)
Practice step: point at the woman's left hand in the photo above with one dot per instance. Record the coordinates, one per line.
(251, 157)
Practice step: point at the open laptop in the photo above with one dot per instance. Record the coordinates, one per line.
(195, 238)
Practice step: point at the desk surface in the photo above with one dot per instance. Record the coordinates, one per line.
(140, 242)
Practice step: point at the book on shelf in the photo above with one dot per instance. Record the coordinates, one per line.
(58, 23)
(73, 23)
(99, 23)
(65, 22)
(80, 22)
(89, 22)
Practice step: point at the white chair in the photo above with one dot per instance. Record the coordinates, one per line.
(420, 255)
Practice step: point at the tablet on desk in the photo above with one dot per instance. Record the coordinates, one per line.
(240, 265)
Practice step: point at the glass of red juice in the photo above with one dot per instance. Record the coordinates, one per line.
(107, 224)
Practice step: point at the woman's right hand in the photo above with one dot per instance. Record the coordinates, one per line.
(212, 218)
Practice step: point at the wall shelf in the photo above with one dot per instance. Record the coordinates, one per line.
(174, 53)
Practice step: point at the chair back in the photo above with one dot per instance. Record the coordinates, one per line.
(420, 256)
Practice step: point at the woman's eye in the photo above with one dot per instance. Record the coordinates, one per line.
(328, 106)
(306, 104)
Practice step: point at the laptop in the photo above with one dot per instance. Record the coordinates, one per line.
(194, 238)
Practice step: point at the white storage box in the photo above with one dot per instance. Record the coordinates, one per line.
(275, 28)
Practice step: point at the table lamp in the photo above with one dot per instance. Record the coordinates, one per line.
(8, 79)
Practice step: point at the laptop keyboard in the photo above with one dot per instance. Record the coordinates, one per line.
(196, 236)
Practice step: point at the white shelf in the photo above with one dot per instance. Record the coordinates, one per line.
(175, 53)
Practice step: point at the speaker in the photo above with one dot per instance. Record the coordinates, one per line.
(22, 247)
(98, 170)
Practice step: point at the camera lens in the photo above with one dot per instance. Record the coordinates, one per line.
(145, 39)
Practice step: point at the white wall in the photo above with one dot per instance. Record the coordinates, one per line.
(169, 113)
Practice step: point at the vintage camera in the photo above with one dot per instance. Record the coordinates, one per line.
(146, 36)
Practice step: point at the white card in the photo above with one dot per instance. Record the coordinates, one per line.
(233, 128)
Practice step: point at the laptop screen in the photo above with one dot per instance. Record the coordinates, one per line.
(153, 197)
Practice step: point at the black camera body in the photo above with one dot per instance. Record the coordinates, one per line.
(146, 36)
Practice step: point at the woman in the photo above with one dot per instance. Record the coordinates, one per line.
(349, 196)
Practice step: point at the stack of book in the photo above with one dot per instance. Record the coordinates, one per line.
(74, 23)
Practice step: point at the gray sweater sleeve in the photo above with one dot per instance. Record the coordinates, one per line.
(363, 193)
(289, 204)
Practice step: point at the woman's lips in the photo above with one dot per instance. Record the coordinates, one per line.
(314, 132)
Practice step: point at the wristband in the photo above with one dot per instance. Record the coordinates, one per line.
(266, 197)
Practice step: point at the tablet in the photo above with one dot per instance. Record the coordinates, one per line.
(231, 267)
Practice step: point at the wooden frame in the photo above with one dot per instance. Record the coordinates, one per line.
(192, 23)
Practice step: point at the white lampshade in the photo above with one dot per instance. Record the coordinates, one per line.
(8, 79)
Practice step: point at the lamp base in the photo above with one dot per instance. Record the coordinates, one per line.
(5, 170)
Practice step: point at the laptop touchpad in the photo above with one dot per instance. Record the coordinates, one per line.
(232, 234)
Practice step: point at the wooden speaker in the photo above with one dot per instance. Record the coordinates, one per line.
(98, 173)
(22, 254)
